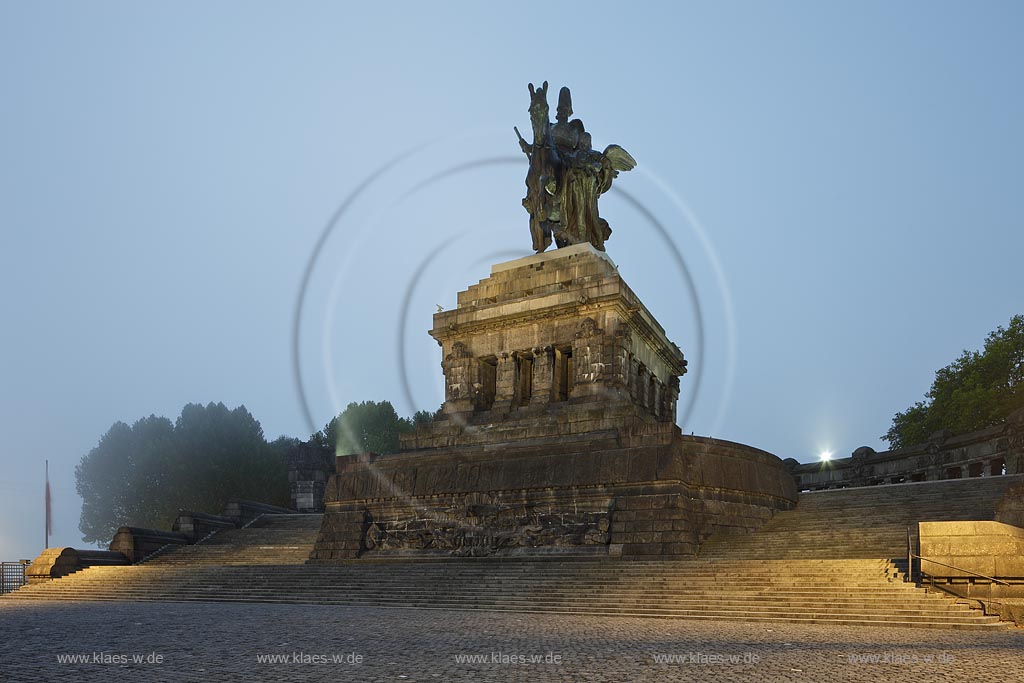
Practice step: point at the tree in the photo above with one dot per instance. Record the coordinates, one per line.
(422, 417)
(366, 427)
(109, 479)
(144, 474)
(977, 390)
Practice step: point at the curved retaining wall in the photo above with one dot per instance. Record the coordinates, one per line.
(648, 492)
(53, 563)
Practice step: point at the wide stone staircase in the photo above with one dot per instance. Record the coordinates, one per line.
(829, 561)
(856, 592)
(864, 522)
(269, 539)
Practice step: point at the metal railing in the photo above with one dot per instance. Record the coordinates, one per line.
(911, 556)
(12, 575)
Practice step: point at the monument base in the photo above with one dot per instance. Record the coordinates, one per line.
(651, 492)
(557, 435)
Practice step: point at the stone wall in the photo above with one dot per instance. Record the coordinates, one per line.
(53, 563)
(649, 492)
(137, 543)
(309, 466)
(989, 452)
(993, 549)
(198, 525)
(557, 435)
(553, 327)
(244, 511)
(1011, 508)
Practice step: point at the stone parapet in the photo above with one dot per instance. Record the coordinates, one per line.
(53, 563)
(993, 451)
(137, 543)
(197, 525)
(955, 553)
(244, 511)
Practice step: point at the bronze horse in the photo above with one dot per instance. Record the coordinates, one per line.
(541, 179)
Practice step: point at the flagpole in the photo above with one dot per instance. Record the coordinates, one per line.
(47, 521)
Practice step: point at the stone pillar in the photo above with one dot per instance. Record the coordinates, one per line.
(458, 380)
(523, 378)
(505, 383)
(484, 381)
(642, 385)
(655, 397)
(590, 365)
(670, 398)
(622, 353)
(633, 383)
(543, 375)
(1015, 442)
(309, 467)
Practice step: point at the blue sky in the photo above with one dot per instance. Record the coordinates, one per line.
(842, 181)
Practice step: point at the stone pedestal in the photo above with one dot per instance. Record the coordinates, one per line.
(551, 328)
(557, 435)
(309, 466)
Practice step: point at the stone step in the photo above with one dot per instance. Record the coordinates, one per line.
(862, 522)
(926, 601)
(649, 605)
(826, 561)
(752, 601)
(707, 568)
(606, 566)
(660, 582)
(984, 623)
(867, 592)
(818, 588)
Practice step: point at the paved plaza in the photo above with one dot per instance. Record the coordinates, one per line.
(81, 641)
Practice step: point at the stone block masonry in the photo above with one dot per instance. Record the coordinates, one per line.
(557, 435)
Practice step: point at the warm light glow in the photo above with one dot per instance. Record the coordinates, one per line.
(825, 455)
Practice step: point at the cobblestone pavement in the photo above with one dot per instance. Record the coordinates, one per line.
(226, 642)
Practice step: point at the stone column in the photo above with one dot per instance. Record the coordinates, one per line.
(642, 385)
(671, 398)
(633, 383)
(622, 354)
(505, 383)
(589, 363)
(1015, 442)
(458, 380)
(543, 375)
(656, 394)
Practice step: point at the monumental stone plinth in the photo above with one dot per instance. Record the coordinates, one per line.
(557, 435)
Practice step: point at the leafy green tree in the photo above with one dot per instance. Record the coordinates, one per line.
(108, 476)
(144, 474)
(283, 444)
(422, 417)
(977, 390)
(366, 427)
